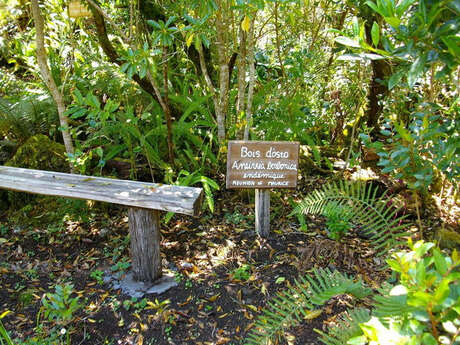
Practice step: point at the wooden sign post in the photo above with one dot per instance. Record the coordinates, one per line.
(262, 165)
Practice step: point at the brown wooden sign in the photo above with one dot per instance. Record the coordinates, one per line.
(262, 164)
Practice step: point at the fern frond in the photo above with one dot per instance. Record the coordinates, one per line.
(287, 309)
(371, 213)
(346, 328)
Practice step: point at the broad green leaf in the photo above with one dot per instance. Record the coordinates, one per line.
(350, 57)
(442, 291)
(375, 33)
(440, 262)
(393, 21)
(428, 339)
(395, 79)
(346, 41)
(453, 45)
(416, 70)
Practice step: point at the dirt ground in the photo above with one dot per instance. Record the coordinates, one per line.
(225, 273)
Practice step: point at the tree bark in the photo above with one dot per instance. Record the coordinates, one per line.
(144, 227)
(252, 73)
(167, 109)
(48, 78)
(240, 101)
(221, 43)
(278, 43)
(377, 90)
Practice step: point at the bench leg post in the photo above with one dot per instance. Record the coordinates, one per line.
(144, 227)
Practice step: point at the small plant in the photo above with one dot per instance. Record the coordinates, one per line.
(5, 338)
(359, 204)
(337, 220)
(97, 276)
(188, 284)
(133, 303)
(60, 306)
(235, 218)
(32, 274)
(159, 307)
(120, 266)
(242, 273)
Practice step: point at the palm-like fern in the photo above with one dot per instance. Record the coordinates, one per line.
(373, 214)
(34, 114)
(346, 328)
(299, 302)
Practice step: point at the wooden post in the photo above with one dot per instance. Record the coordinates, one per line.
(263, 212)
(144, 227)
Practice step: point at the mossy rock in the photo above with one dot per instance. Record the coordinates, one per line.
(38, 152)
(448, 238)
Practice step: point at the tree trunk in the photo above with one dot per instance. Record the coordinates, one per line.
(241, 75)
(278, 43)
(144, 227)
(377, 90)
(167, 109)
(252, 73)
(48, 78)
(221, 44)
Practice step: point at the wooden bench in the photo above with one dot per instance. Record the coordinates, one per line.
(140, 198)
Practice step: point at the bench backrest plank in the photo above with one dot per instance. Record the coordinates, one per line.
(178, 199)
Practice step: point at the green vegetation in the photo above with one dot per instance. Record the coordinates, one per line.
(153, 91)
(422, 307)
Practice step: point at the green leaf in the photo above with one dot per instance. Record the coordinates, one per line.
(375, 34)
(279, 280)
(361, 340)
(376, 9)
(346, 41)
(416, 69)
(403, 6)
(453, 46)
(428, 339)
(395, 79)
(393, 21)
(442, 291)
(440, 262)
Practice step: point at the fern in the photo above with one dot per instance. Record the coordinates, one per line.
(299, 302)
(31, 115)
(346, 328)
(372, 213)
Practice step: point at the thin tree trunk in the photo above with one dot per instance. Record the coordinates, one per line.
(208, 80)
(221, 44)
(278, 43)
(167, 109)
(241, 74)
(380, 70)
(252, 73)
(48, 78)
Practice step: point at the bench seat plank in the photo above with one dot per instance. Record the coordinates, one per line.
(178, 199)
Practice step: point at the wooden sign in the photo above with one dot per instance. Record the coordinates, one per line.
(262, 164)
(78, 9)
